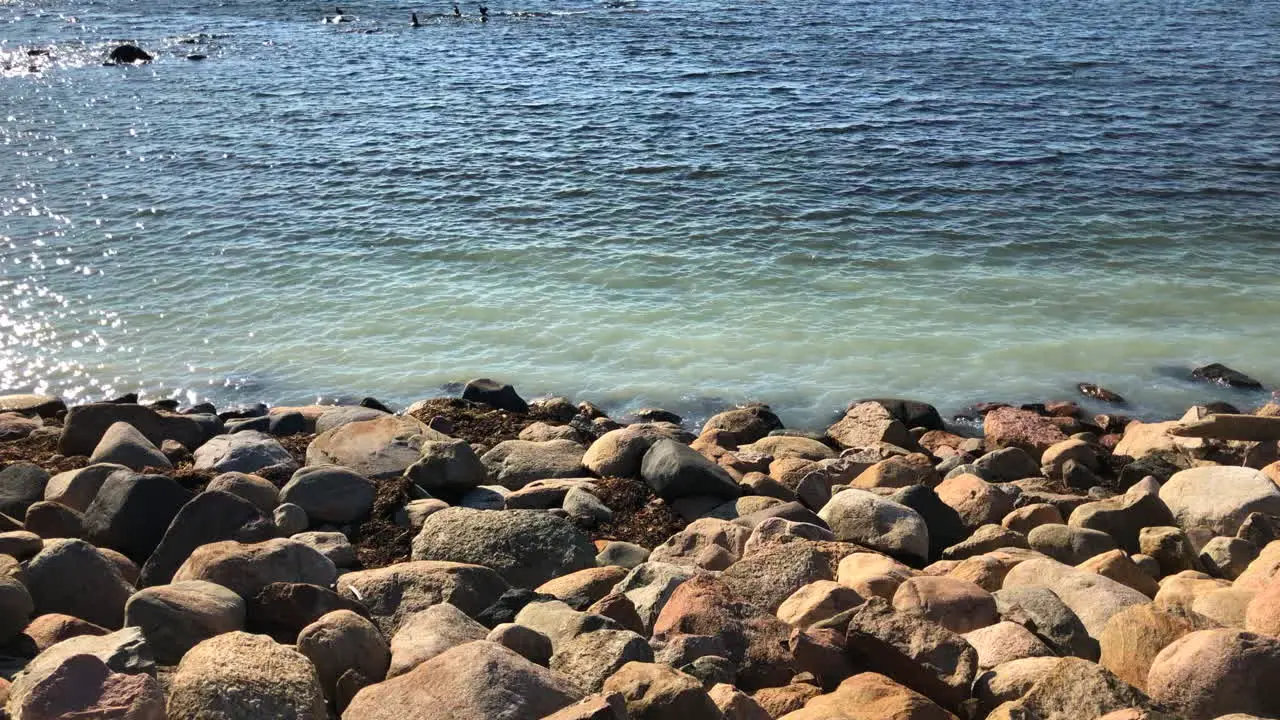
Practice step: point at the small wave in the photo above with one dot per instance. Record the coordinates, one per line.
(652, 169)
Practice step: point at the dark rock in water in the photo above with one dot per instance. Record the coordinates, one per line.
(1097, 392)
(290, 423)
(127, 55)
(911, 413)
(197, 57)
(127, 398)
(506, 607)
(656, 415)
(247, 411)
(203, 408)
(261, 424)
(370, 402)
(944, 523)
(1221, 408)
(1223, 375)
(168, 405)
(495, 395)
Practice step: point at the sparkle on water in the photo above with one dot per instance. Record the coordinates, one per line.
(671, 202)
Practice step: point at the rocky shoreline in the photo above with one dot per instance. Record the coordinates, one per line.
(488, 557)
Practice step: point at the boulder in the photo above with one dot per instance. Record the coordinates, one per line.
(86, 424)
(977, 501)
(1225, 426)
(477, 680)
(525, 547)
(44, 406)
(123, 445)
(255, 489)
(650, 584)
(1070, 545)
(1181, 590)
(334, 417)
(674, 470)
(430, 632)
(585, 508)
(1227, 557)
(238, 675)
(1009, 464)
(1228, 607)
(1263, 569)
(987, 538)
(290, 519)
(77, 488)
(1219, 497)
(21, 484)
(708, 543)
(1009, 681)
(735, 704)
(817, 601)
(789, 446)
(395, 592)
(591, 658)
(868, 423)
(131, 512)
(527, 642)
(1116, 565)
(1005, 642)
(654, 692)
(341, 641)
(956, 605)
(1134, 637)
(447, 468)
(124, 651)
(1123, 517)
(212, 516)
(516, 463)
(1072, 688)
(622, 554)
(247, 568)
(16, 607)
(330, 493)
(83, 686)
(583, 588)
(618, 453)
(862, 517)
(1262, 615)
(779, 701)
(283, 609)
(1210, 673)
(1093, 598)
(870, 696)
(1223, 375)
(378, 449)
(246, 452)
(1170, 548)
(15, 427)
(772, 573)
(741, 426)
(920, 654)
(333, 545)
(541, 432)
(1029, 517)
(902, 471)
(1011, 427)
(544, 494)
(72, 577)
(175, 618)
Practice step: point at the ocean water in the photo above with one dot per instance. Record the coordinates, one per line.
(683, 203)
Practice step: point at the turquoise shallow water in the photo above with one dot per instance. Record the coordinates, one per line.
(675, 203)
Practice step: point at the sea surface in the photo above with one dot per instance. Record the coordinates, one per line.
(682, 203)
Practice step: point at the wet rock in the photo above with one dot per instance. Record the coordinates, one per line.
(499, 396)
(238, 675)
(525, 547)
(395, 592)
(1210, 673)
(1098, 392)
(211, 516)
(73, 578)
(1223, 375)
(131, 512)
(123, 445)
(858, 516)
(248, 568)
(175, 618)
(378, 449)
(330, 493)
(1010, 427)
